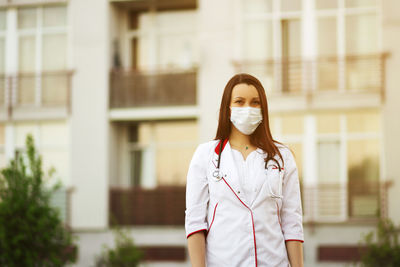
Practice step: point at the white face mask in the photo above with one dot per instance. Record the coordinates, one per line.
(246, 119)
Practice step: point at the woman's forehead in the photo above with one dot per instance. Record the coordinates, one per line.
(244, 90)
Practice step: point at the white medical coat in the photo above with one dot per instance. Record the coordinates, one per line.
(239, 233)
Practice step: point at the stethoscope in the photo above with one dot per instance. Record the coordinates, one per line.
(218, 177)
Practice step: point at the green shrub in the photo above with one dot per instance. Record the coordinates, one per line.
(31, 231)
(125, 253)
(384, 251)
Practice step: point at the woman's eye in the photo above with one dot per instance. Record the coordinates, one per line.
(256, 102)
(238, 101)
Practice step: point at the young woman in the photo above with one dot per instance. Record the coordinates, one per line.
(243, 204)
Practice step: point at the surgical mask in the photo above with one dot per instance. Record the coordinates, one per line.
(246, 119)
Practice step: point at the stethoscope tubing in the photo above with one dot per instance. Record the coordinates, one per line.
(218, 177)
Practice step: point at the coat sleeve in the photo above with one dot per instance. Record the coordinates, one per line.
(197, 194)
(291, 212)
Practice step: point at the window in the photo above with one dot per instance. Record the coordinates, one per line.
(163, 40)
(291, 52)
(327, 51)
(44, 26)
(291, 5)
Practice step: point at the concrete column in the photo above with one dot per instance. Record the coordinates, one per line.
(89, 124)
(391, 108)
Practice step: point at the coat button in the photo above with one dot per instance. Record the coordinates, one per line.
(238, 192)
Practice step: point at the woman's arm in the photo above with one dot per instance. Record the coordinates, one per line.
(295, 253)
(197, 198)
(197, 249)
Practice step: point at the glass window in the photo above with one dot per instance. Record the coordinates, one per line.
(292, 124)
(177, 51)
(327, 36)
(54, 16)
(291, 51)
(54, 52)
(363, 159)
(363, 121)
(330, 201)
(326, 4)
(290, 5)
(27, 18)
(360, 3)
(361, 34)
(329, 162)
(3, 20)
(363, 175)
(257, 38)
(328, 123)
(257, 6)
(27, 53)
(291, 37)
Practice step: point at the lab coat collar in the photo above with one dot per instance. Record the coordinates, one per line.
(229, 170)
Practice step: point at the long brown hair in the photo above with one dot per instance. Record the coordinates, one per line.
(261, 137)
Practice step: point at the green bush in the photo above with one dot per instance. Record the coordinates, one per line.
(125, 253)
(384, 251)
(31, 231)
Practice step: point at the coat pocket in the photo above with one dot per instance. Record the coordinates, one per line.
(274, 182)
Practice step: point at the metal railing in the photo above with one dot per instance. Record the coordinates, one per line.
(131, 88)
(350, 73)
(47, 89)
(344, 202)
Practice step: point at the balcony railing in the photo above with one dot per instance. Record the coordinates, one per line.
(351, 73)
(159, 5)
(137, 206)
(344, 202)
(131, 88)
(357, 201)
(28, 90)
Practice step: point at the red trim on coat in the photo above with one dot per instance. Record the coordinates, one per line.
(223, 146)
(276, 167)
(212, 221)
(252, 220)
(302, 241)
(195, 232)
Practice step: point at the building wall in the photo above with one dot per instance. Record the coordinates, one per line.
(89, 120)
(391, 109)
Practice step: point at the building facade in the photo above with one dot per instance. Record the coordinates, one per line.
(119, 93)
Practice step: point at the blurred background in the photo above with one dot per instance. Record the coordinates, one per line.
(118, 94)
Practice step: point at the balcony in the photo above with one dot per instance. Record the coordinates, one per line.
(322, 203)
(325, 82)
(9, 3)
(354, 201)
(157, 5)
(135, 89)
(35, 96)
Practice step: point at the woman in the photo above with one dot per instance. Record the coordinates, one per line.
(243, 204)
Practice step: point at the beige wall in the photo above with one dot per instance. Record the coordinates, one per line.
(391, 110)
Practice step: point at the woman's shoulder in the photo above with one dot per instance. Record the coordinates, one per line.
(206, 147)
(285, 151)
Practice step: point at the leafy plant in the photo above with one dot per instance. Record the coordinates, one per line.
(125, 253)
(31, 231)
(384, 251)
